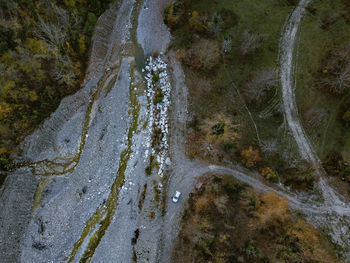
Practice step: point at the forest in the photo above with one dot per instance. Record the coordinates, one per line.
(226, 221)
(44, 50)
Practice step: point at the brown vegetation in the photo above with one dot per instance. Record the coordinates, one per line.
(250, 157)
(269, 174)
(227, 222)
(213, 137)
(336, 166)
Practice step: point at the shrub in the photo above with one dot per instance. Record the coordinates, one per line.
(171, 15)
(159, 96)
(250, 157)
(229, 18)
(229, 146)
(346, 117)
(197, 22)
(204, 56)
(250, 42)
(300, 178)
(232, 188)
(269, 174)
(251, 250)
(219, 128)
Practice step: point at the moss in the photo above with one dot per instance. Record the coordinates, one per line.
(158, 96)
(98, 223)
(155, 78)
(152, 164)
(157, 193)
(142, 198)
(134, 256)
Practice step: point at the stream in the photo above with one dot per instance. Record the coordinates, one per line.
(84, 168)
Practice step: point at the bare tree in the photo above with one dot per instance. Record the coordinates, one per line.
(250, 42)
(316, 117)
(261, 82)
(269, 147)
(51, 33)
(226, 45)
(336, 77)
(216, 25)
(54, 27)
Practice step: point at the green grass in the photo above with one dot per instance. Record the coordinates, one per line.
(227, 92)
(315, 44)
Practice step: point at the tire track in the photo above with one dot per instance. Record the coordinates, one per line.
(337, 220)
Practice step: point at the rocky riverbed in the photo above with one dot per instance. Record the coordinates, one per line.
(94, 181)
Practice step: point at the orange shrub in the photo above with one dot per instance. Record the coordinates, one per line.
(250, 157)
(269, 174)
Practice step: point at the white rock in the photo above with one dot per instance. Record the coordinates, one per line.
(167, 161)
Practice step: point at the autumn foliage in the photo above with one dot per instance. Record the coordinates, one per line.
(250, 157)
(43, 55)
(228, 222)
(269, 174)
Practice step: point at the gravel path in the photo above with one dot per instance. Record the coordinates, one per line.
(339, 228)
(84, 170)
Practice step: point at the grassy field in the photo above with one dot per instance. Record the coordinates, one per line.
(323, 94)
(229, 50)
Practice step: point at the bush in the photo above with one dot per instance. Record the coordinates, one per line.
(269, 174)
(229, 146)
(250, 157)
(219, 128)
(229, 18)
(172, 15)
(197, 22)
(251, 250)
(204, 56)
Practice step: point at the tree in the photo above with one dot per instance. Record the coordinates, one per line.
(250, 157)
(335, 76)
(269, 174)
(250, 42)
(260, 84)
(316, 117)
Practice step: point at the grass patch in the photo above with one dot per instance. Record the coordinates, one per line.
(152, 164)
(142, 198)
